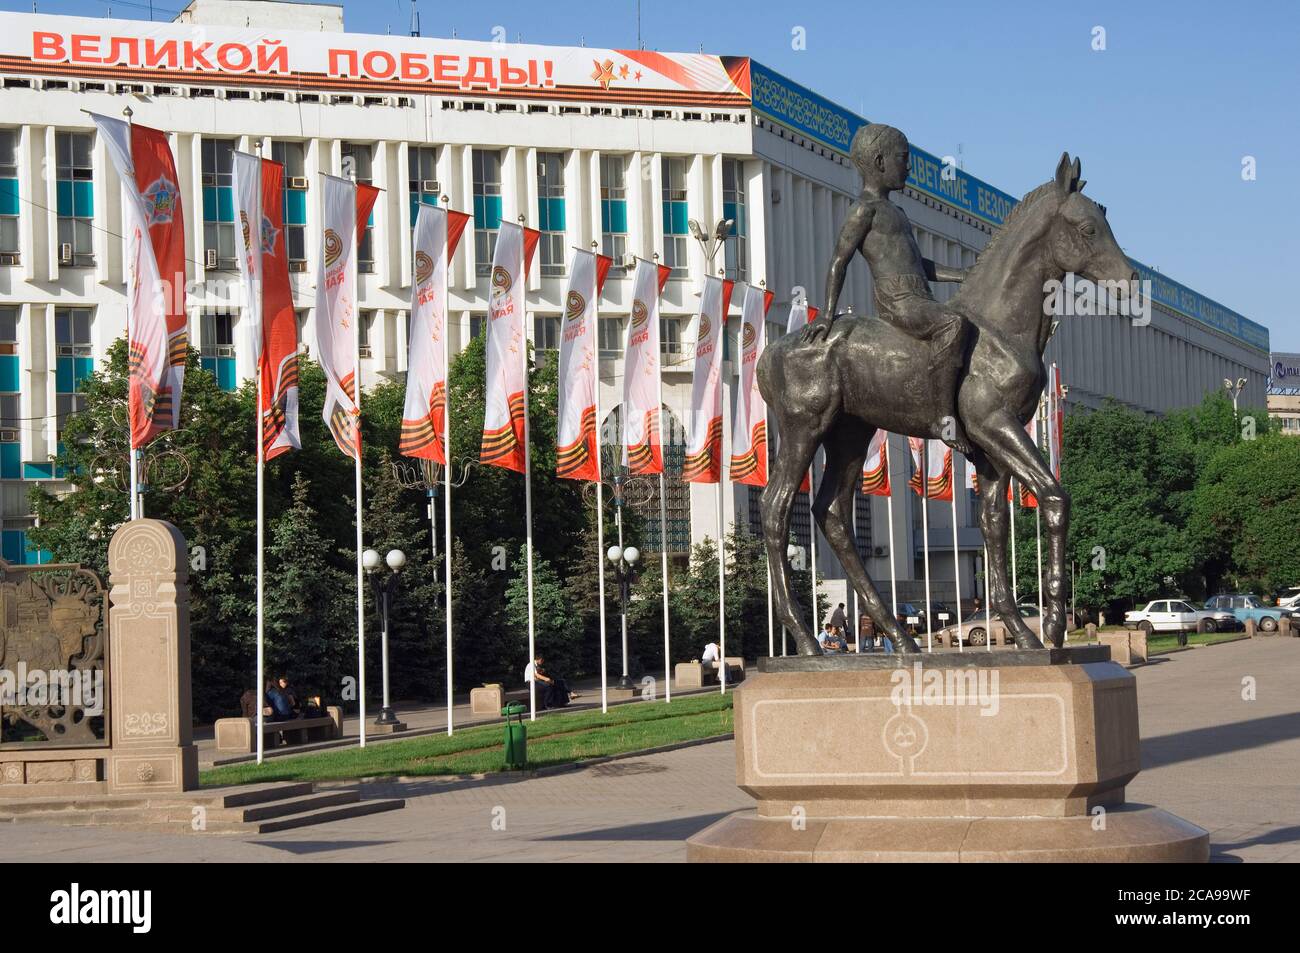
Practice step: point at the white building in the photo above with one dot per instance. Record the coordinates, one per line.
(620, 148)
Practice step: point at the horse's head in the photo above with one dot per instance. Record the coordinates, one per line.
(1080, 240)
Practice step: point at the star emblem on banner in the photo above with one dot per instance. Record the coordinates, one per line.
(269, 235)
(603, 73)
(161, 197)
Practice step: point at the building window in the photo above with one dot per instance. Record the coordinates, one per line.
(613, 208)
(217, 354)
(487, 207)
(367, 318)
(675, 228)
(670, 339)
(546, 332)
(358, 165)
(293, 156)
(550, 212)
(75, 172)
(219, 204)
(736, 248)
(423, 181)
(72, 361)
(610, 331)
(477, 323)
(11, 450)
(9, 196)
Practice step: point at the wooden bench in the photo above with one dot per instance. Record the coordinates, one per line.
(236, 734)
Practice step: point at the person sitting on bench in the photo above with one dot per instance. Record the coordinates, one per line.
(280, 701)
(552, 691)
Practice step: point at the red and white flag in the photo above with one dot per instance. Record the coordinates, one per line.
(346, 211)
(937, 468)
(577, 447)
(247, 181)
(800, 314)
(424, 416)
(704, 441)
(1027, 499)
(278, 358)
(155, 262)
(875, 469)
(972, 478)
(507, 349)
(749, 435)
(1055, 420)
(642, 442)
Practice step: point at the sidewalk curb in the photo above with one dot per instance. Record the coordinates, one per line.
(535, 773)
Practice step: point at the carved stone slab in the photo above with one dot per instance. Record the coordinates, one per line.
(149, 667)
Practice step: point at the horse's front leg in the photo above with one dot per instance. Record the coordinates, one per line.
(1009, 449)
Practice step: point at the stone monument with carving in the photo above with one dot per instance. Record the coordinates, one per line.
(1021, 754)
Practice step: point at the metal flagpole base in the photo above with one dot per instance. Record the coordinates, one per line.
(387, 723)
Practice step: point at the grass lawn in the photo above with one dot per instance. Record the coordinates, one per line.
(553, 739)
(1166, 643)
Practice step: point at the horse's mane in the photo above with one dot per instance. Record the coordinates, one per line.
(1017, 211)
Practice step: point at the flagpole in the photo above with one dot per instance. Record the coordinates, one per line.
(925, 540)
(260, 688)
(361, 577)
(600, 516)
(812, 540)
(1015, 502)
(956, 558)
(446, 486)
(857, 616)
(889, 509)
(1038, 523)
(988, 613)
(134, 507)
(528, 491)
(663, 503)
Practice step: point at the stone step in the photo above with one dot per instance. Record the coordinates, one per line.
(258, 809)
(214, 798)
(299, 805)
(325, 815)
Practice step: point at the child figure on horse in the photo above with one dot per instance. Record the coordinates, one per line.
(880, 230)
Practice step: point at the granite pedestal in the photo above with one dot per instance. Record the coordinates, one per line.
(972, 756)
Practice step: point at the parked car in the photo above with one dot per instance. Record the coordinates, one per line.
(1223, 619)
(1248, 606)
(1289, 598)
(1168, 615)
(976, 629)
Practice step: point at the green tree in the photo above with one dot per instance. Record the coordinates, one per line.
(309, 604)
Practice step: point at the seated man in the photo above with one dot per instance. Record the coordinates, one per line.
(280, 703)
(552, 691)
(830, 642)
(712, 656)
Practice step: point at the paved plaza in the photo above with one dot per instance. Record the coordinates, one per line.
(1226, 763)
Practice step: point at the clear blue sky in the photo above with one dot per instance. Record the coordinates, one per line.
(1161, 119)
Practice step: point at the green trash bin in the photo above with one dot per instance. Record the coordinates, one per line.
(516, 736)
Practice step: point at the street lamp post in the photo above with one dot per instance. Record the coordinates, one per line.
(1234, 392)
(385, 588)
(624, 562)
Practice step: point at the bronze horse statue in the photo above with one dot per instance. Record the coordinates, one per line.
(866, 375)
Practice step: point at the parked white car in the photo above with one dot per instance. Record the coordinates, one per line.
(1289, 598)
(1167, 615)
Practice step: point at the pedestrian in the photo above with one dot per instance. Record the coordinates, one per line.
(552, 690)
(838, 618)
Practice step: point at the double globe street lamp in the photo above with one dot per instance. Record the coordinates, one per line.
(385, 587)
(624, 561)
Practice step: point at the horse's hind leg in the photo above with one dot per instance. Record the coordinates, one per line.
(995, 524)
(846, 449)
(793, 456)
